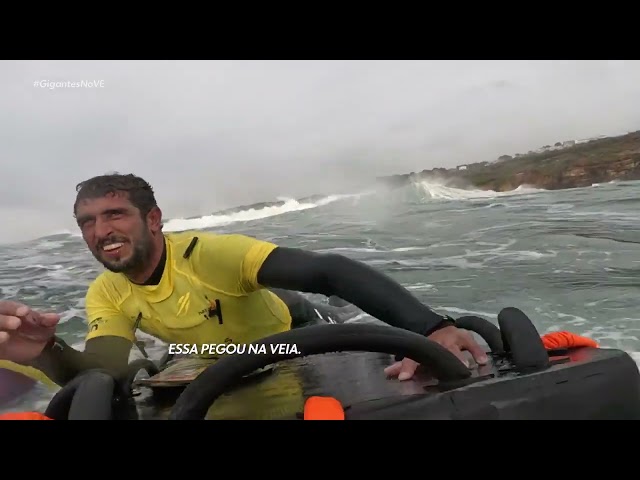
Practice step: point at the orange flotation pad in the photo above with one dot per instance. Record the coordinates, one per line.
(323, 408)
(24, 416)
(558, 340)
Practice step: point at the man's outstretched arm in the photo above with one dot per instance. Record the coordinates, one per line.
(108, 342)
(61, 362)
(371, 290)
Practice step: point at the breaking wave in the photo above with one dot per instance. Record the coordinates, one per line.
(439, 191)
(254, 212)
(420, 191)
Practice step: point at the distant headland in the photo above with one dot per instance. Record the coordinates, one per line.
(566, 164)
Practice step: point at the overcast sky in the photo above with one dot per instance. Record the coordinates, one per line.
(215, 134)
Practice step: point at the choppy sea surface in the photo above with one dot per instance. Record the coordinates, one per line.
(570, 259)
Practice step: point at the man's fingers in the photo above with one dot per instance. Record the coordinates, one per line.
(9, 322)
(478, 353)
(47, 319)
(13, 309)
(393, 370)
(474, 348)
(404, 370)
(407, 369)
(458, 353)
(4, 336)
(454, 341)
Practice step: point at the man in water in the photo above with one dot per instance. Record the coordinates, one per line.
(202, 288)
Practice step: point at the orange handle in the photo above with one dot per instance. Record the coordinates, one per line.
(323, 408)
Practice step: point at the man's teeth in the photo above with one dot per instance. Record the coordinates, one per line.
(112, 246)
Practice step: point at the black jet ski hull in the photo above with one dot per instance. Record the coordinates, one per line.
(523, 380)
(596, 384)
(588, 383)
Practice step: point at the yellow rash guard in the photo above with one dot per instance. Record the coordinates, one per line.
(28, 371)
(211, 296)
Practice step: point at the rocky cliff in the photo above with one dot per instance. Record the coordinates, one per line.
(579, 165)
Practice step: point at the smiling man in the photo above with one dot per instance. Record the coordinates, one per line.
(203, 288)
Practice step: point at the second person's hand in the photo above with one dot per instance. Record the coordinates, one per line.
(24, 332)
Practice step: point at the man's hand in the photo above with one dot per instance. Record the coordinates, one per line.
(24, 332)
(453, 339)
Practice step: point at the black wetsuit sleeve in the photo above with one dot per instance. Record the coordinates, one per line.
(61, 362)
(370, 290)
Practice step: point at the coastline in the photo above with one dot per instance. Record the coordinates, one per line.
(564, 165)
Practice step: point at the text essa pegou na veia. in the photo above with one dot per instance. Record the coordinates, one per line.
(233, 348)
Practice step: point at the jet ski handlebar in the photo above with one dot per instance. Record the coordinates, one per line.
(516, 337)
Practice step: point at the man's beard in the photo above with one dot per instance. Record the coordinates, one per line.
(136, 262)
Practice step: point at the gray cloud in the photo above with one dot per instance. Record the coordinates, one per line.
(211, 135)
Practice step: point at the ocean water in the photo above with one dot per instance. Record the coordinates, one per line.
(569, 259)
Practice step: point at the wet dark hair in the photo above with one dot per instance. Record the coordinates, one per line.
(138, 191)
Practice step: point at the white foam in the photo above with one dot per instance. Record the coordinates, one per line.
(421, 287)
(289, 205)
(461, 311)
(349, 249)
(435, 190)
(368, 249)
(635, 356)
